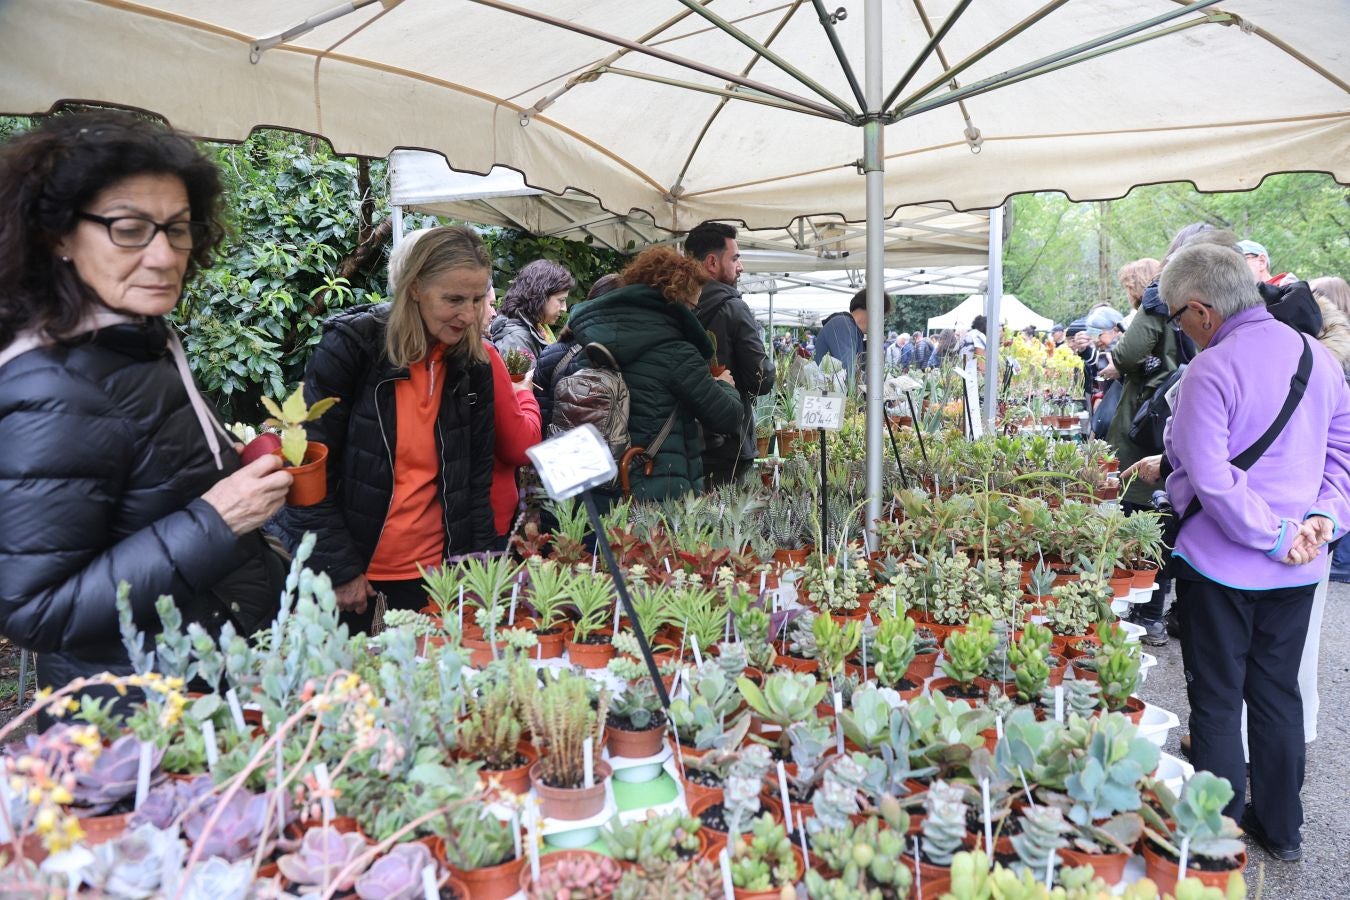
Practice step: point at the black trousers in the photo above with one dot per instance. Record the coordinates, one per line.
(1246, 645)
(720, 470)
(398, 595)
(1152, 611)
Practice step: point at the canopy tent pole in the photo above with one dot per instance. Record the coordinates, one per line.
(874, 164)
(398, 225)
(993, 330)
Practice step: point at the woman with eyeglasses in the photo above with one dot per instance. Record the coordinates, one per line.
(113, 467)
(410, 443)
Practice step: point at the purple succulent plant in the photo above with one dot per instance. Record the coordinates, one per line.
(167, 800)
(323, 854)
(112, 778)
(395, 876)
(242, 826)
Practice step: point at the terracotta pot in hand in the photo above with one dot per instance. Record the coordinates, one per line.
(309, 482)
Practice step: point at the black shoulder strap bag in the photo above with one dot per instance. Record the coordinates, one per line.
(1247, 458)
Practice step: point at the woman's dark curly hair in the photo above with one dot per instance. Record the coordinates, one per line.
(677, 277)
(49, 175)
(533, 285)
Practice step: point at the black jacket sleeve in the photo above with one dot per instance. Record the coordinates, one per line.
(65, 450)
(750, 366)
(482, 436)
(336, 369)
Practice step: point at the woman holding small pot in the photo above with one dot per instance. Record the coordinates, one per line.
(114, 469)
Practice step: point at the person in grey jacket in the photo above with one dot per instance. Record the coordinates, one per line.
(533, 303)
(738, 345)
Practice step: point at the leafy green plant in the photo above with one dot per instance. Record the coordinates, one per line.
(1119, 663)
(562, 718)
(593, 596)
(967, 652)
(1197, 815)
(290, 416)
(893, 649)
(834, 643)
(550, 589)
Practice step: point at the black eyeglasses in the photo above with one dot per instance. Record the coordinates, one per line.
(134, 232)
(1172, 319)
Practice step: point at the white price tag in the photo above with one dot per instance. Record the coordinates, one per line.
(971, 382)
(573, 461)
(817, 409)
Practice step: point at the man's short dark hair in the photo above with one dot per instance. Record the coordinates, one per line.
(979, 323)
(709, 237)
(859, 301)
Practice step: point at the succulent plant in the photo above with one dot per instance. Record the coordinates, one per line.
(665, 837)
(561, 719)
(323, 854)
(112, 778)
(135, 864)
(478, 842)
(787, 697)
(638, 705)
(696, 879)
(944, 824)
(395, 876)
(1198, 815)
(836, 800)
(810, 742)
(590, 878)
(764, 860)
(868, 720)
(1118, 668)
(490, 731)
(244, 823)
(744, 783)
(167, 800)
(967, 652)
(217, 879)
(893, 649)
(834, 644)
(1043, 832)
(868, 858)
(1104, 778)
(1080, 697)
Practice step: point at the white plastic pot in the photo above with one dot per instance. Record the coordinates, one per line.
(1157, 723)
(1174, 772)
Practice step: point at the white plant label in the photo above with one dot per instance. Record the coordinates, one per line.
(1059, 703)
(838, 728)
(515, 593)
(801, 835)
(515, 832)
(588, 758)
(988, 821)
(144, 765)
(971, 383)
(325, 783)
(573, 462)
(724, 862)
(236, 711)
(819, 409)
(212, 746)
(532, 841)
(6, 808)
(1050, 869)
(693, 646)
(783, 793)
(430, 890)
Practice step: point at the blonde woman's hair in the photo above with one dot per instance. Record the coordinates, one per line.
(434, 252)
(1136, 276)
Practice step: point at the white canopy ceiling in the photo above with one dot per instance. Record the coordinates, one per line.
(594, 94)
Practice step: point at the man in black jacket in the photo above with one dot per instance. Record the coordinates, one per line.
(739, 345)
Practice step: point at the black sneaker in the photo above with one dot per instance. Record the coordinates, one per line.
(1155, 632)
(1252, 826)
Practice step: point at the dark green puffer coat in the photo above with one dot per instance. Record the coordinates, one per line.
(663, 353)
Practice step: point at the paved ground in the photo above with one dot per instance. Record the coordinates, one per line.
(1324, 873)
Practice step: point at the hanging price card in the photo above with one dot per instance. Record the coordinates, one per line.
(573, 462)
(818, 409)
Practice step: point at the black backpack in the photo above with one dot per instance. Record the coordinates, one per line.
(1146, 429)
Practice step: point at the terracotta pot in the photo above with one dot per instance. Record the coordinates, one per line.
(550, 646)
(938, 684)
(775, 893)
(570, 804)
(1111, 465)
(309, 482)
(636, 744)
(788, 557)
(696, 793)
(488, 883)
(929, 873)
(1163, 871)
(1058, 666)
(922, 667)
(1145, 576)
(550, 860)
(1122, 582)
(1133, 710)
(934, 888)
(761, 447)
(101, 829)
(516, 779)
(787, 438)
(457, 888)
(797, 665)
(517, 379)
(1110, 867)
(1067, 644)
(590, 656)
(1081, 672)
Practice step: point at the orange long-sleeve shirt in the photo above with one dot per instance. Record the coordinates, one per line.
(517, 420)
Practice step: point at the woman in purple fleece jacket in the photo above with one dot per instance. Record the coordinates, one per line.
(1247, 564)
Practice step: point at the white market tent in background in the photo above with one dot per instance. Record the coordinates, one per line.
(1012, 314)
(815, 295)
(743, 110)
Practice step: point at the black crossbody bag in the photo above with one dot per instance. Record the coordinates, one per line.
(1247, 458)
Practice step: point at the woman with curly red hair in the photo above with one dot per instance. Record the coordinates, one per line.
(649, 329)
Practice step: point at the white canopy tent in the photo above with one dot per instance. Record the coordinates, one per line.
(737, 109)
(1013, 314)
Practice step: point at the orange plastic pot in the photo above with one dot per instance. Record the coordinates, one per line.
(636, 744)
(516, 779)
(1110, 867)
(309, 480)
(488, 883)
(571, 804)
(590, 656)
(1163, 871)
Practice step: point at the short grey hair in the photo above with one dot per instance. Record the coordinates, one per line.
(1211, 273)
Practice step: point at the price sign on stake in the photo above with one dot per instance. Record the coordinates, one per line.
(573, 461)
(209, 739)
(819, 409)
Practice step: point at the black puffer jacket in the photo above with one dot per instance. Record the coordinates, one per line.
(741, 349)
(102, 468)
(361, 432)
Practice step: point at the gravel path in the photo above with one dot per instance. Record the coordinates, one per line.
(1324, 873)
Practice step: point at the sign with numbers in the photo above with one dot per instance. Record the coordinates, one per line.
(819, 409)
(573, 462)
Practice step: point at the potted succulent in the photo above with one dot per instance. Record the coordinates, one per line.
(943, 830)
(636, 725)
(864, 859)
(306, 460)
(395, 876)
(325, 854)
(492, 727)
(696, 879)
(1214, 842)
(1118, 666)
(572, 874)
(669, 837)
(518, 363)
(787, 697)
(562, 718)
(479, 851)
(966, 655)
(764, 862)
(590, 646)
(550, 587)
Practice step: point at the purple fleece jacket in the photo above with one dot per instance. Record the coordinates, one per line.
(1228, 397)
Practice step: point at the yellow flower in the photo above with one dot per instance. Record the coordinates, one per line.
(87, 738)
(45, 820)
(61, 795)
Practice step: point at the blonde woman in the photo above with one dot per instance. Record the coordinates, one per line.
(411, 440)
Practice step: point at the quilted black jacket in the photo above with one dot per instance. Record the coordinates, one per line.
(102, 467)
(361, 432)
